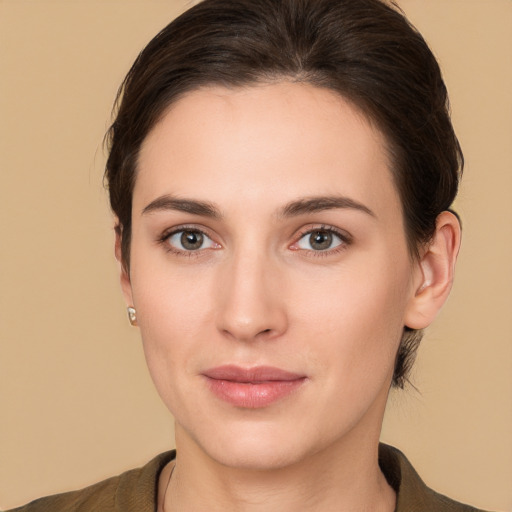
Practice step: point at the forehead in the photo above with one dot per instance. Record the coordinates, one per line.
(270, 142)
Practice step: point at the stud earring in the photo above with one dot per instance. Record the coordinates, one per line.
(132, 315)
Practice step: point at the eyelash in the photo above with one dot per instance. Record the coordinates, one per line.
(346, 240)
(164, 240)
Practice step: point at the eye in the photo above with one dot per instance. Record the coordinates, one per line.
(320, 240)
(190, 240)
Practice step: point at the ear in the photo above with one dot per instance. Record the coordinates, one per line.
(126, 285)
(434, 273)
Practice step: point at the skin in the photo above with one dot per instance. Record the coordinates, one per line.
(257, 292)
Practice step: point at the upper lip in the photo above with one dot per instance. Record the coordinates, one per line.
(254, 374)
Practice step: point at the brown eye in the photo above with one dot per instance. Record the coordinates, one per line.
(320, 240)
(187, 240)
(191, 240)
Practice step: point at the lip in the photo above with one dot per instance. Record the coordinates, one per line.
(252, 388)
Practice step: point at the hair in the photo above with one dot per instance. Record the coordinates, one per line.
(365, 50)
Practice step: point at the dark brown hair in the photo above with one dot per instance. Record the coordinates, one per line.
(365, 50)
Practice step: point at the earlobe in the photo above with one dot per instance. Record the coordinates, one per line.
(435, 273)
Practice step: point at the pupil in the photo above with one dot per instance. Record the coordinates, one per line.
(191, 240)
(320, 240)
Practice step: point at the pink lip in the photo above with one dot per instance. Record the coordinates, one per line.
(252, 388)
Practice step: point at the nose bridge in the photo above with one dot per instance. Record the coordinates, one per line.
(250, 304)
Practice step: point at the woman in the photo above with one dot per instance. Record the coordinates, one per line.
(282, 174)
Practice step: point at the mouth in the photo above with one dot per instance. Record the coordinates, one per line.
(252, 388)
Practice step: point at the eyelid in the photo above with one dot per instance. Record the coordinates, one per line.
(346, 239)
(168, 233)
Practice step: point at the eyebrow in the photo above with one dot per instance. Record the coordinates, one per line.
(295, 208)
(315, 204)
(167, 202)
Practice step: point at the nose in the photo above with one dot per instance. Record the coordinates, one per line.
(251, 302)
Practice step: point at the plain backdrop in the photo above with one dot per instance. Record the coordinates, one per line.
(76, 402)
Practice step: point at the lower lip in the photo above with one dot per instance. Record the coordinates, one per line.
(253, 395)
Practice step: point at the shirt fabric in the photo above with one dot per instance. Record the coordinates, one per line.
(136, 490)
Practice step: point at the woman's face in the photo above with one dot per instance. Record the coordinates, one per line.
(269, 271)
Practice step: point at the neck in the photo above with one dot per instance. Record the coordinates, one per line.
(346, 476)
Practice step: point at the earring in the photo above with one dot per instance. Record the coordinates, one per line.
(132, 315)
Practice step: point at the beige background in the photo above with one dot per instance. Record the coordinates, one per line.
(76, 402)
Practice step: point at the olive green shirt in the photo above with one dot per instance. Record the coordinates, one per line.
(136, 490)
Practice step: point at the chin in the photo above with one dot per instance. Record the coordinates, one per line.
(257, 455)
(258, 446)
(241, 444)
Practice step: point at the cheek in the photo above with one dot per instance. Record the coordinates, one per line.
(344, 324)
(172, 311)
(356, 319)
(176, 320)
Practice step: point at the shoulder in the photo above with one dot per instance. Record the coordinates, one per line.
(134, 490)
(412, 493)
